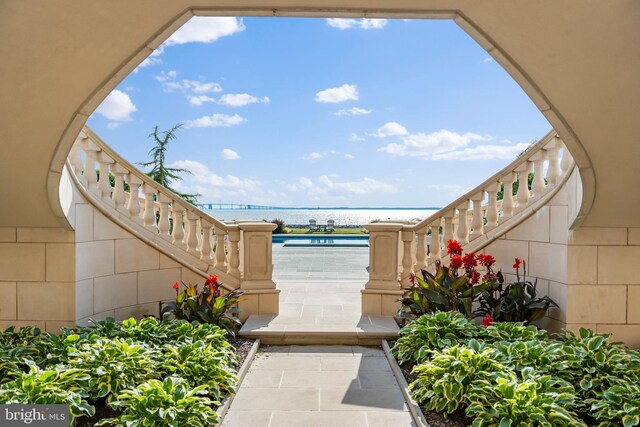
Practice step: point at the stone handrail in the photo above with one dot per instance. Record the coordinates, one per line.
(166, 221)
(399, 249)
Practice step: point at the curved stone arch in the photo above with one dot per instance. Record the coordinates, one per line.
(527, 84)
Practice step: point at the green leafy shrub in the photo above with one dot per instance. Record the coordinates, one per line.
(50, 387)
(203, 364)
(534, 401)
(513, 302)
(618, 405)
(208, 305)
(444, 383)
(511, 331)
(281, 227)
(114, 364)
(168, 403)
(432, 332)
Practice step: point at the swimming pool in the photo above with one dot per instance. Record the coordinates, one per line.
(322, 241)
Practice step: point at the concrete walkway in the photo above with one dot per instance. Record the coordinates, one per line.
(313, 386)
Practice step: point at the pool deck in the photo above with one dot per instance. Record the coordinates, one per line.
(320, 299)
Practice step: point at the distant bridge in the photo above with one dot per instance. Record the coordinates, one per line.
(220, 205)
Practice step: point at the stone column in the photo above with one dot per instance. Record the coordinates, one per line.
(261, 293)
(381, 292)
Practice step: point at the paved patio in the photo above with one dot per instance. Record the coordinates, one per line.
(320, 297)
(290, 386)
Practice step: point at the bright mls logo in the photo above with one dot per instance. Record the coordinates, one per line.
(34, 415)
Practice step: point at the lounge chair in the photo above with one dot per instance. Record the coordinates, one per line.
(313, 226)
(330, 225)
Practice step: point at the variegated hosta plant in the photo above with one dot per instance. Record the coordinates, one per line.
(209, 305)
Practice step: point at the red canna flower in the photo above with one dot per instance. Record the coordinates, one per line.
(454, 247)
(211, 280)
(469, 261)
(486, 260)
(475, 277)
(175, 287)
(456, 262)
(517, 264)
(487, 320)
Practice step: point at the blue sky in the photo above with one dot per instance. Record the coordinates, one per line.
(323, 112)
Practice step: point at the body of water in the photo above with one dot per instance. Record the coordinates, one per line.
(301, 217)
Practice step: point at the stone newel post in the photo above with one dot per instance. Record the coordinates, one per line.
(381, 292)
(262, 294)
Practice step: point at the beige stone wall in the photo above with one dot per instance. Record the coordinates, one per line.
(117, 274)
(589, 272)
(37, 277)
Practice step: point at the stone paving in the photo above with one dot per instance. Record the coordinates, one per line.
(313, 386)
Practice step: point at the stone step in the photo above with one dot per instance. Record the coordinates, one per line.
(365, 330)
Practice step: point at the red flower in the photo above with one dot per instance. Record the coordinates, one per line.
(486, 260)
(469, 261)
(454, 247)
(176, 286)
(412, 277)
(456, 262)
(475, 278)
(487, 320)
(517, 264)
(212, 280)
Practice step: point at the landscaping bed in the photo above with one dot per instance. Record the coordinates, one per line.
(170, 373)
(509, 374)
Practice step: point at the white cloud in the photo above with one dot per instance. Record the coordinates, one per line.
(215, 120)
(355, 138)
(153, 59)
(313, 155)
(346, 92)
(241, 99)
(448, 145)
(117, 106)
(112, 125)
(355, 111)
(390, 129)
(213, 186)
(193, 86)
(362, 187)
(487, 60)
(205, 29)
(163, 77)
(229, 154)
(364, 23)
(305, 182)
(349, 156)
(319, 155)
(199, 100)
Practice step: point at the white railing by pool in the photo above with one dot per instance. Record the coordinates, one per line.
(399, 249)
(238, 252)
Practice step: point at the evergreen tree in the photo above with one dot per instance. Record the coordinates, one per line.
(160, 173)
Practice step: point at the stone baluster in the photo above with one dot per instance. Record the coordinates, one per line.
(76, 160)
(104, 184)
(133, 205)
(91, 152)
(434, 253)
(463, 227)
(508, 203)
(177, 233)
(221, 256)
(447, 231)
(524, 194)
(566, 158)
(234, 251)
(477, 221)
(408, 237)
(492, 208)
(421, 250)
(382, 290)
(553, 171)
(118, 195)
(538, 184)
(192, 230)
(163, 221)
(149, 214)
(206, 250)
